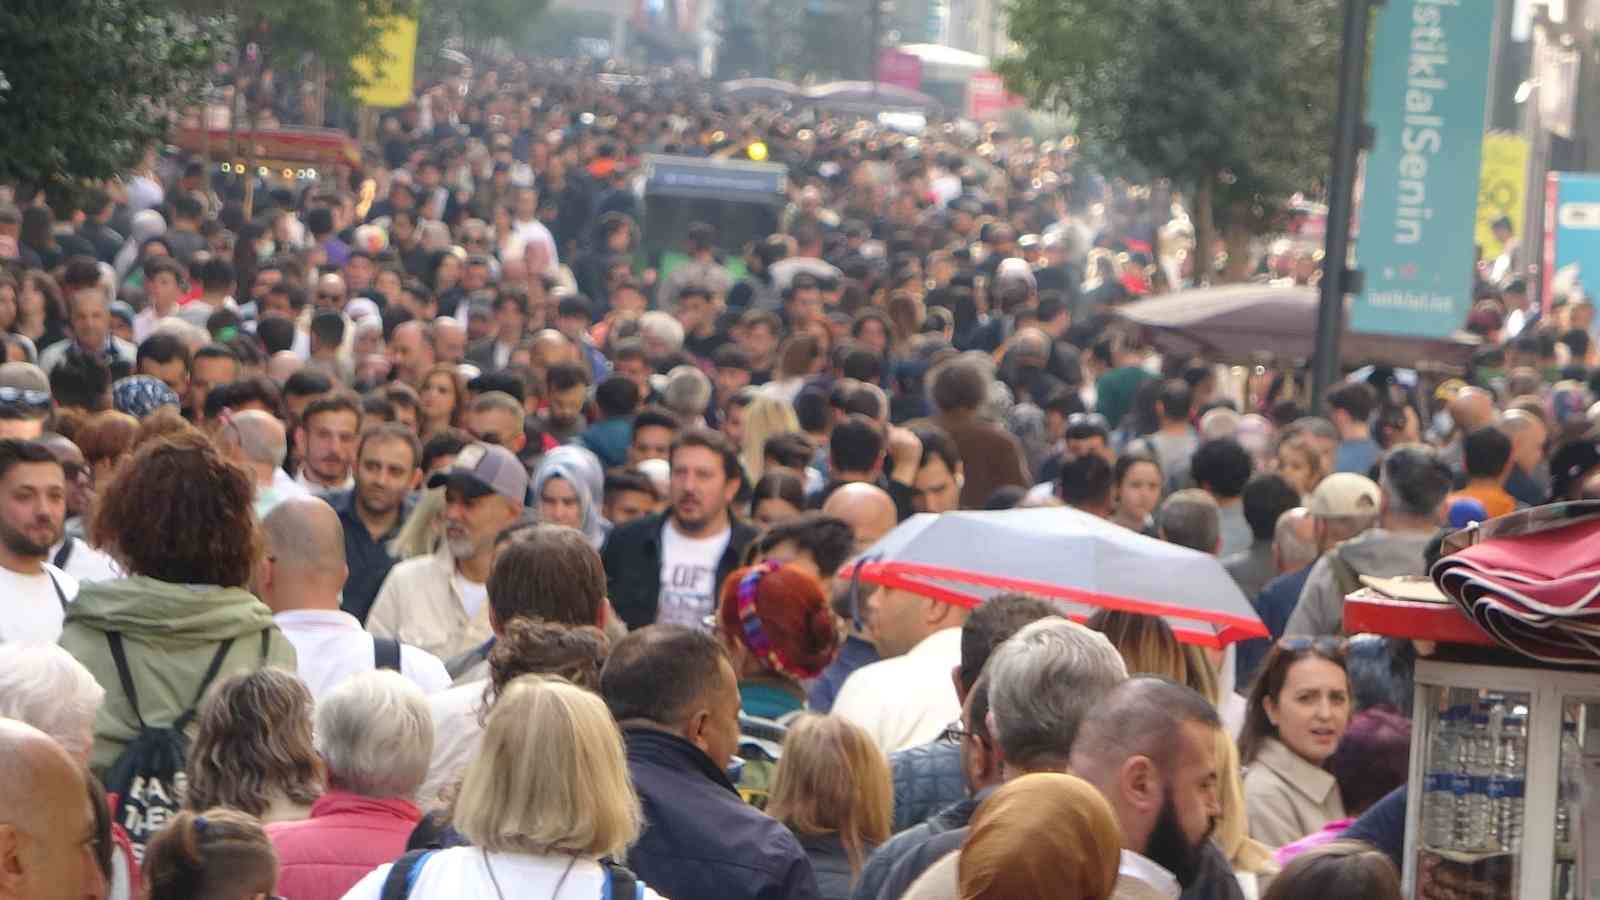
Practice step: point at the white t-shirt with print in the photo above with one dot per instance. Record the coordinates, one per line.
(689, 575)
(30, 608)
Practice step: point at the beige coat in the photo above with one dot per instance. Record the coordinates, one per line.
(1287, 797)
(419, 605)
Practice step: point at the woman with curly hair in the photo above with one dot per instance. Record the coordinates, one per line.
(253, 749)
(177, 517)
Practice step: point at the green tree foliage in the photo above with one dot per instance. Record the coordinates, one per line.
(85, 85)
(288, 35)
(1231, 99)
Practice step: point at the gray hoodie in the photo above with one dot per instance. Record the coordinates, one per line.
(1378, 552)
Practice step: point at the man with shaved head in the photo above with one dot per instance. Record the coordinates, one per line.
(256, 441)
(300, 576)
(900, 700)
(48, 833)
(867, 508)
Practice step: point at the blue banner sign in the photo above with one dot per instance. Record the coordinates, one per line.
(1572, 236)
(1430, 75)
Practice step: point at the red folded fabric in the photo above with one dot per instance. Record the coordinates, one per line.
(1537, 594)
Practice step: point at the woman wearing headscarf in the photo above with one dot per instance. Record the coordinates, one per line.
(568, 487)
(1041, 835)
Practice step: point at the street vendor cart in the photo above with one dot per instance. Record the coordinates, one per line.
(1503, 797)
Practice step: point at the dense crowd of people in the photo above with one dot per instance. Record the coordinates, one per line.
(421, 535)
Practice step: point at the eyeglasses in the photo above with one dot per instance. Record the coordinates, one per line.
(26, 397)
(955, 733)
(1093, 420)
(325, 295)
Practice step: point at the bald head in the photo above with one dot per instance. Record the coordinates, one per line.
(1294, 540)
(449, 339)
(256, 439)
(61, 448)
(39, 774)
(1472, 408)
(551, 347)
(305, 548)
(283, 364)
(47, 824)
(331, 283)
(1528, 436)
(867, 508)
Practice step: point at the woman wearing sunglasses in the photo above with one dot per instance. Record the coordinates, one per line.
(1299, 708)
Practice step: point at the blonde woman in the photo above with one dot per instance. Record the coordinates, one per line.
(421, 533)
(833, 790)
(546, 798)
(1146, 643)
(766, 416)
(1252, 861)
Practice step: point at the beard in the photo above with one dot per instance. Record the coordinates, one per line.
(1171, 849)
(18, 542)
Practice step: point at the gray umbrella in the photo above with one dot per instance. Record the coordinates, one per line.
(1237, 321)
(1083, 561)
(761, 90)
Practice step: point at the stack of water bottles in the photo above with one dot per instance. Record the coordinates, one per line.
(1477, 764)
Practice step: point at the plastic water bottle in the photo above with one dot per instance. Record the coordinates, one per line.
(1477, 832)
(1568, 790)
(1439, 802)
(1506, 786)
(1461, 780)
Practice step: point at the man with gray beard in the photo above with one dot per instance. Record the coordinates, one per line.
(439, 602)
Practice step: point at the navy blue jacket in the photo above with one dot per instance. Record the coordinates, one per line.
(700, 841)
(1275, 605)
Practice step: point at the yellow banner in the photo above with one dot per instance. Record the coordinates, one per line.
(391, 87)
(1502, 188)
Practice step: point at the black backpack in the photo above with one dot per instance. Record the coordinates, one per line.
(148, 777)
(403, 874)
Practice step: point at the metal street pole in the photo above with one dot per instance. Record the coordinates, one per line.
(1337, 280)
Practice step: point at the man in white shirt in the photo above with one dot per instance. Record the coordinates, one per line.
(440, 602)
(327, 439)
(667, 568)
(33, 510)
(530, 239)
(905, 699)
(163, 287)
(546, 574)
(299, 578)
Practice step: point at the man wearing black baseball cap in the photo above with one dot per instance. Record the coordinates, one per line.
(439, 602)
